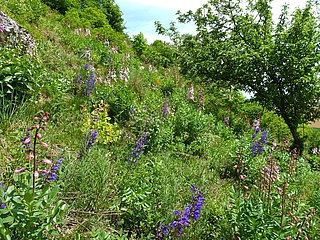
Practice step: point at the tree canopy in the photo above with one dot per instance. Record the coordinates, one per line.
(238, 44)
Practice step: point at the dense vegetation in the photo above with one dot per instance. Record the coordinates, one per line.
(103, 137)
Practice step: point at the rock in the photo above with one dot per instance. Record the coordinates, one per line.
(12, 33)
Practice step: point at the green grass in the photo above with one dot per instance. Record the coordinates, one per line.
(117, 199)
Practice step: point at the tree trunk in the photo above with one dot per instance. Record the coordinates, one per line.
(297, 141)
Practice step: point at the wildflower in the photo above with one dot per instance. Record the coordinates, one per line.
(183, 218)
(88, 32)
(165, 108)
(26, 140)
(201, 101)
(91, 139)
(76, 31)
(190, 93)
(106, 42)
(315, 151)
(87, 54)
(137, 151)
(226, 121)
(258, 146)
(132, 111)
(90, 84)
(256, 125)
(51, 175)
(19, 170)
(150, 68)
(1, 27)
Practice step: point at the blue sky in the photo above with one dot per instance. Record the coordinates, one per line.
(140, 15)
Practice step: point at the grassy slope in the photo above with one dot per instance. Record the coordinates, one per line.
(188, 146)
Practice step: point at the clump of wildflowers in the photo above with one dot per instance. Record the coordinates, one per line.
(258, 145)
(87, 73)
(226, 121)
(138, 148)
(51, 174)
(165, 108)
(183, 218)
(88, 142)
(31, 143)
(190, 93)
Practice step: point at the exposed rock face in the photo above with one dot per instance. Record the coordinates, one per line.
(12, 33)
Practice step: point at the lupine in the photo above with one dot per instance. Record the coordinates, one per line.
(183, 218)
(90, 84)
(258, 145)
(88, 142)
(51, 175)
(165, 108)
(138, 149)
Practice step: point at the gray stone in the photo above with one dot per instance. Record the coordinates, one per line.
(12, 33)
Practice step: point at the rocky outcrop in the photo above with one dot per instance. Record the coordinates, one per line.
(12, 33)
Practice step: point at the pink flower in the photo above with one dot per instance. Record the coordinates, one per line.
(36, 174)
(27, 140)
(36, 118)
(44, 144)
(46, 161)
(39, 135)
(19, 170)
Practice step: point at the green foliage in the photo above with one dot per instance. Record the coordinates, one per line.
(89, 17)
(242, 47)
(161, 54)
(27, 216)
(99, 120)
(139, 44)
(19, 74)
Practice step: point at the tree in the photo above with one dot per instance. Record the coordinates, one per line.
(139, 44)
(241, 46)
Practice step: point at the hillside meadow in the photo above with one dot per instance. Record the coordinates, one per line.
(100, 142)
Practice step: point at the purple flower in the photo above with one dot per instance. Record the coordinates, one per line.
(258, 145)
(26, 140)
(138, 149)
(165, 108)
(90, 84)
(185, 217)
(226, 121)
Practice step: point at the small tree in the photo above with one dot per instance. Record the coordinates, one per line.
(139, 44)
(241, 46)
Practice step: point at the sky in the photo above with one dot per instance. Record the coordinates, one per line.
(140, 15)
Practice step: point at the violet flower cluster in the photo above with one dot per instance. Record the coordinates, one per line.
(183, 218)
(258, 144)
(88, 142)
(138, 148)
(89, 84)
(51, 175)
(165, 108)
